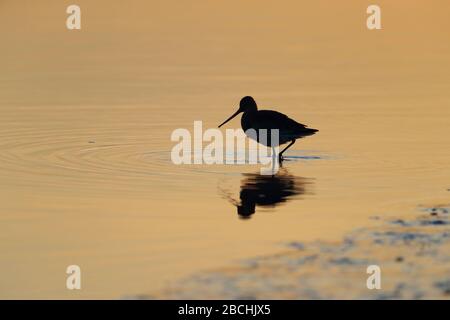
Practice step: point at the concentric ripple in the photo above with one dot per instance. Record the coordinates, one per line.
(58, 157)
(128, 159)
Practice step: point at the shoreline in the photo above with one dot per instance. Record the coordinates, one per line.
(413, 254)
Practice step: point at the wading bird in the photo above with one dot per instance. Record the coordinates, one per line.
(288, 130)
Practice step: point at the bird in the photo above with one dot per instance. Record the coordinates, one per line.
(289, 130)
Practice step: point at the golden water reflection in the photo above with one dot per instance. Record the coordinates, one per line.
(267, 191)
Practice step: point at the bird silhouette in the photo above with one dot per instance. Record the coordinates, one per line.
(289, 130)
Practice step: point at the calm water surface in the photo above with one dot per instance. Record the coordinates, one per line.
(86, 119)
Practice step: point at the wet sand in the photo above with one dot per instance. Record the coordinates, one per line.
(413, 253)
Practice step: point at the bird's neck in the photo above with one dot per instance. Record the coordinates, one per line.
(251, 110)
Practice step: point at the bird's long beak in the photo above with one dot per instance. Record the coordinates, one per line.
(234, 115)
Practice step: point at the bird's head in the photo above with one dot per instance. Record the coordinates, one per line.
(245, 105)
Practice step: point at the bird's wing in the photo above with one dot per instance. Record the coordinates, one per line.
(269, 119)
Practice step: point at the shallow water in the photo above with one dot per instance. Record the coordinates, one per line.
(412, 256)
(86, 119)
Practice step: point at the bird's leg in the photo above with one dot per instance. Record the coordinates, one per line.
(287, 147)
(273, 153)
(277, 157)
(274, 158)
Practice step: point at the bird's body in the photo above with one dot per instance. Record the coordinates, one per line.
(289, 130)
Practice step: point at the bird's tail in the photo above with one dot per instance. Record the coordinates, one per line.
(309, 131)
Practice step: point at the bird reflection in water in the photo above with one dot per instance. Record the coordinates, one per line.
(267, 191)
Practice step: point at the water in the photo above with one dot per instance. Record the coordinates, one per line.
(86, 119)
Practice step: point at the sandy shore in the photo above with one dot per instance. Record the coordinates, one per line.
(413, 254)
